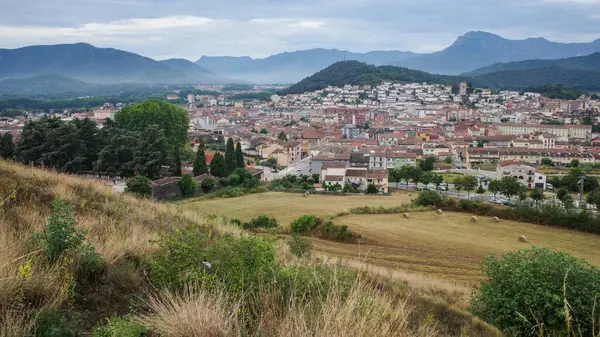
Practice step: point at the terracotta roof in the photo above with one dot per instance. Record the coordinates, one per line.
(334, 178)
(165, 181)
(377, 174)
(513, 162)
(356, 173)
(333, 164)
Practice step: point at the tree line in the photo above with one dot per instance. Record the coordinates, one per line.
(146, 139)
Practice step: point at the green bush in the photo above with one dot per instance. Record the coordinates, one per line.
(140, 186)
(88, 262)
(372, 189)
(51, 322)
(299, 246)
(188, 185)
(261, 221)
(208, 185)
(337, 233)
(305, 223)
(120, 327)
(525, 288)
(380, 210)
(60, 234)
(429, 198)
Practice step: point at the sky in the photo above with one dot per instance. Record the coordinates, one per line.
(188, 29)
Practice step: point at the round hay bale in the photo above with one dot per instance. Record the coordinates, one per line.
(405, 215)
(522, 238)
(496, 219)
(474, 218)
(306, 194)
(439, 211)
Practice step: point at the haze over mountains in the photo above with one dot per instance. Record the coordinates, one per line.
(33, 69)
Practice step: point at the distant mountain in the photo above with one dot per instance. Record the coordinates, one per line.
(47, 84)
(84, 62)
(589, 62)
(479, 49)
(354, 72)
(522, 79)
(292, 66)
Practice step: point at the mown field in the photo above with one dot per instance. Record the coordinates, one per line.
(448, 246)
(289, 206)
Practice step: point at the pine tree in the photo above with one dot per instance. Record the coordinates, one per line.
(282, 136)
(239, 156)
(217, 166)
(230, 160)
(7, 147)
(177, 161)
(200, 166)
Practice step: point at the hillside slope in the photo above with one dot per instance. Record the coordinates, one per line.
(478, 49)
(588, 62)
(134, 260)
(87, 63)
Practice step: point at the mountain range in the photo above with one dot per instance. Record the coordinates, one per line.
(72, 66)
(84, 62)
(577, 72)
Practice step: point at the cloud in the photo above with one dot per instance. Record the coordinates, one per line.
(258, 28)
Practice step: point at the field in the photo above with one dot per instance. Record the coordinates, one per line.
(289, 206)
(447, 246)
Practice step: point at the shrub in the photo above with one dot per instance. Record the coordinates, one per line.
(429, 198)
(140, 186)
(261, 221)
(305, 223)
(337, 233)
(299, 246)
(120, 327)
(529, 287)
(51, 322)
(188, 185)
(372, 189)
(88, 262)
(208, 184)
(380, 210)
(60, 234)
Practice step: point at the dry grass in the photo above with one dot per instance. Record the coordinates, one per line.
(289, 206)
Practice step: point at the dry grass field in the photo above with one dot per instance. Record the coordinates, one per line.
(289, 206)
(448, 246)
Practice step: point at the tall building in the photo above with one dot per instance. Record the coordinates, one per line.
(191, 98)
(462, 88)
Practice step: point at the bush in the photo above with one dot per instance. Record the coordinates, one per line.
(525, 288)
(140, 186)
(305, 223)
(372, 189)
(380, 210)
(208, 185)
(299, 246)
(261, 221)
(51, 322)
(188, 185)
(60, 234)
(429, 198)
(337, 233)
(120, 327)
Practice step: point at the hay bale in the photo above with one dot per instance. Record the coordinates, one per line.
(439, 211)
(474, 218)
(405, 215)
(523, 239)
(496, 219)
(306, 194)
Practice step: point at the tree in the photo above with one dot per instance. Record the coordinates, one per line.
(395, 175)
(469, 183)
(594, 198)
(150, 155)
(522, 193)
(532, 286)
(173, 121)
(200, 166)
(7, 147)
(188, 185)
(230, 158)
(406, 173)
(458, 184)
(562, 193)
(116, 157)
(264, 131)
(427, 164)
(372, 189)
(416, 176)
(437, 180)
(480, 189)
(427, 178)
(495, 186)
(537, 195)
(448, 160)
(546, 161)
(208, 184)
(510, 187)
(239, 156)
(140, 186)
(282, 136)
(176, 159)
(217, 166)
(574, 163)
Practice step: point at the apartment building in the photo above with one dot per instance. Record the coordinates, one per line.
(562, 132)
(525, 173)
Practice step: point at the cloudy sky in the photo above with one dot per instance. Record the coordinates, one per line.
(191, 28)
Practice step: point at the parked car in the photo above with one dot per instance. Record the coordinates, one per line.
(441, 188)
(549, 186)
(417, 188)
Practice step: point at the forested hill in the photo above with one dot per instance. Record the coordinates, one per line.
(588, 62)
(354, 72)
